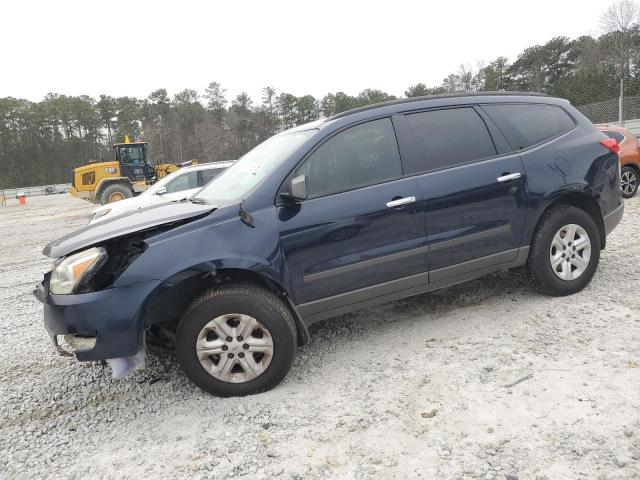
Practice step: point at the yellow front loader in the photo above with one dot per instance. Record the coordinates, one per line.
(129, 174)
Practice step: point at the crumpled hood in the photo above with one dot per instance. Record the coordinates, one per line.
(125, 224)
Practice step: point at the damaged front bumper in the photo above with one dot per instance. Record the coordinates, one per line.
(69, 345)
(97, 325)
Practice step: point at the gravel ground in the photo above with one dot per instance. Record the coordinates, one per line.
(417, 388)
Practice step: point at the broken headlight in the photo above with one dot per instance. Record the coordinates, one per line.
(75, 269)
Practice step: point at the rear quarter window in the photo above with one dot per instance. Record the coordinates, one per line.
(525, 125)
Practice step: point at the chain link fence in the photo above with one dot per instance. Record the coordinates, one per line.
(607, 111)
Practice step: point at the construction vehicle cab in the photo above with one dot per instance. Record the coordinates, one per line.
(129, 174)
(132, 158)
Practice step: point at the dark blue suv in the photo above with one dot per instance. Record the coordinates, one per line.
(367, 206)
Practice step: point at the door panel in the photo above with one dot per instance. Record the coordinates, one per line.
(362, 223)
(470, 214)
(474, 210)
(351, 240)
(134, 172)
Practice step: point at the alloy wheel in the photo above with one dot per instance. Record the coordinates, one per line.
(629, 182)
(570, 252)
(234, 348)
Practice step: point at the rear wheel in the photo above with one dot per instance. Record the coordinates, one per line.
(114, 193)
(629, 181)
(565, 251)
(236, 340)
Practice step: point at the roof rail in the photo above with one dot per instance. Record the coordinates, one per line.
(431, 97)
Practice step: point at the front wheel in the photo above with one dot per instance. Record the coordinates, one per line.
(565, 251)
(629, 181)
(236, 340)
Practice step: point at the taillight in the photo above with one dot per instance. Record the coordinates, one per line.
(611, 144)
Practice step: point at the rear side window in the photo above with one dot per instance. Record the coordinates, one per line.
(449, 137)
(361, 155)
(525, 125)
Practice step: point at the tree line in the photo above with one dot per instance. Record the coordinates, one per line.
(40, 142)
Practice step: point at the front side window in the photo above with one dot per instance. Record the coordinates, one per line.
(445, 138)
(525, 125)
(362, 155)
(186, 181)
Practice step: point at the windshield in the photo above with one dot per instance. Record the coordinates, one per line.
(243, 176)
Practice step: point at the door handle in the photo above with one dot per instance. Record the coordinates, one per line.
(509, 176)
(401, 201)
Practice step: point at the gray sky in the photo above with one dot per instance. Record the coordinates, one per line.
(133, 47)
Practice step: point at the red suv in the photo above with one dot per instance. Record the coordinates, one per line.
(629, 157)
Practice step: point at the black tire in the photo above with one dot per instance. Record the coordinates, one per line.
(629, 180)
(256, 302)
(115, 190)
(539, 263)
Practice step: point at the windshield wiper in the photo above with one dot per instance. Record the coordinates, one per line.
(197, 200)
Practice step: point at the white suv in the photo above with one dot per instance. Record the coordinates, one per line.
(176, 186)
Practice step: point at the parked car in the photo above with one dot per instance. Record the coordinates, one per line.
(439, 190)
(50, 190)
(178, 185)
(629, 157)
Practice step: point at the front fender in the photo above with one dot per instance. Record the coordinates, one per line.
(209, 244)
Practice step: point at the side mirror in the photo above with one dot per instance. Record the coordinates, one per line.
(298, 187)
(161, 191)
